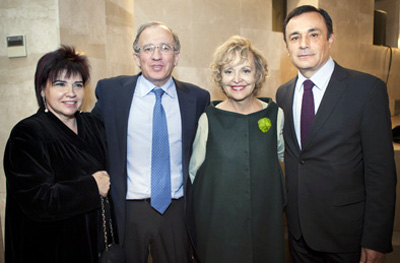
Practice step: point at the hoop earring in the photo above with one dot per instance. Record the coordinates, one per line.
(45, 105)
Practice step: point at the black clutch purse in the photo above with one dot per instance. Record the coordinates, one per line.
(113, 253)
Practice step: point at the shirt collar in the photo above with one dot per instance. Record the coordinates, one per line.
(144, 87)
(320, 78)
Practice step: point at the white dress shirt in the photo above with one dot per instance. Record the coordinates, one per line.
(140, 139)
(320, 79)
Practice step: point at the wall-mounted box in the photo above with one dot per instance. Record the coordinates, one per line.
(16, 46)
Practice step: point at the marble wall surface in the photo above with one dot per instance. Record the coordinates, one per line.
(203, 25)
(38, 21)
(101, 29)
(353, 48)
(105, 29)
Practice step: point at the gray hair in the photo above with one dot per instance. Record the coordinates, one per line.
(177, 43)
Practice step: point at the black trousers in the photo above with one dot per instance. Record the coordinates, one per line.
(165, 236)
(300, 252)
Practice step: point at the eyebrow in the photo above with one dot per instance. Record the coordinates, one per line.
(64, 81)
(313, 29)
(161, 43)
(58, 80)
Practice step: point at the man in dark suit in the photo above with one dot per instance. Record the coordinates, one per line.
(339, 156)
(125, 104)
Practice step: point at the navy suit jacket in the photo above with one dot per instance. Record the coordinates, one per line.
(114, 98)
(341, 185)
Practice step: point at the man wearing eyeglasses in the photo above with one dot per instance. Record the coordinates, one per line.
(151, 120)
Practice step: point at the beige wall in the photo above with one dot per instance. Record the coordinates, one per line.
(38, 21)
(353, 24)
(104, 30)
(203, 25)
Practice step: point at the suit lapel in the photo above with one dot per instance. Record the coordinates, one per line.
(333, 93)
(186, 103)
(290, 122)
(123, 106)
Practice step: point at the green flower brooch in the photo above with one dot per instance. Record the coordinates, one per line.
(264, 124)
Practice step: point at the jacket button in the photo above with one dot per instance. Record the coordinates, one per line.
(302, 162)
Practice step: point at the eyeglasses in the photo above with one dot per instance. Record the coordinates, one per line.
(149, 49)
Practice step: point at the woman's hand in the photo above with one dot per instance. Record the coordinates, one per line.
(103, 182)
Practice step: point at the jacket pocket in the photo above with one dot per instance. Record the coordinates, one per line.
(349, 198)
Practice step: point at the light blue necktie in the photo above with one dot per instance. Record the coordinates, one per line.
(160, 159)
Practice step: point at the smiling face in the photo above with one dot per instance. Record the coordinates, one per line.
(307, 42)
(156, 67)
(64, 96)
(239, 78)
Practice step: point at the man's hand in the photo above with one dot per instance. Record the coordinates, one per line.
(371, 256)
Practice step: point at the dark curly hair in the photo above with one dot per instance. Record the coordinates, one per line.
(52, 64)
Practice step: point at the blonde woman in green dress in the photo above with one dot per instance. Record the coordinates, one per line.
(238, 190)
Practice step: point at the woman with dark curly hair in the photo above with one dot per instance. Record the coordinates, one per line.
(55, 162)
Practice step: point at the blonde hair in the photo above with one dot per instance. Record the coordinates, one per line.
(227, 52)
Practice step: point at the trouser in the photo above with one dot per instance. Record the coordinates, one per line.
(165, 236)
(300, 252)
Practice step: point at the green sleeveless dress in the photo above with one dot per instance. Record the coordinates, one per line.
(239, 193)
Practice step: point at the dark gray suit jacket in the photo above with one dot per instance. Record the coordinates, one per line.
(114, 98)
(341, 185)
